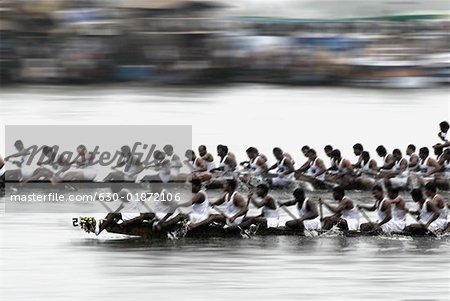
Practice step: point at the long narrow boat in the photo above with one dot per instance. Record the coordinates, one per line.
(145, 230)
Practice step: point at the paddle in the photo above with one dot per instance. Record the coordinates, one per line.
(311, 234)
(430, 232)
(365, 215)
(368, 219)
(320, 209)
(242, 231)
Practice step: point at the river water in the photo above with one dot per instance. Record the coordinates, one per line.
(43, 257)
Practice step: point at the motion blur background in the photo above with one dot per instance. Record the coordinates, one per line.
(369, 43)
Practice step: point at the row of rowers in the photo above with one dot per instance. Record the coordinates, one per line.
(391, 210)
(399, 171)
(413, 170)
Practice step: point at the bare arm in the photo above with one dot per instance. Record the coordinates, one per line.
(239, 202)
(390, 162)
(196, 199)
(289, 166)
(342, 205)
(21, 153)
(368, 207)
(432, 163)
(220, 201)
(312, 211)
(432, 208)
(386, 208)
(413, 161)
(256, 203)
(262, 164)
(288, 203)
(322, 168)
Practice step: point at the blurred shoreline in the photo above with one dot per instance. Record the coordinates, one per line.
(197, 43)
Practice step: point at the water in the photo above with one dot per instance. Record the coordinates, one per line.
(42, 257)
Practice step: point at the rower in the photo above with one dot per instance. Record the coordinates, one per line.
(62, 167)
(428, 166)
(441, 206)
(398, 176)
(227, 161)
(164, 207)
(25, 169)
(367, 171)
(131, 165)
(328, 149)
(200, 205)
(269, 217)
(344, 169)
(346, 215)
(308, 217)
(413, 161)
(383, 208)
(306, 165)
(175, 161)
(443, 136)
(207, 157)
(128, 213)
(236, 206)
(316, 169)
(428, 214)
(161, 165)
(47, 165)
(84, 170)
(257, 163)
(388, 159)
(398, 206)
(441, 178)
(197, 166)
(284, 170)
(84, 163)
(357, 150)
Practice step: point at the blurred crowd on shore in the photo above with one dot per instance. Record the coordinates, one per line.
(187, 42)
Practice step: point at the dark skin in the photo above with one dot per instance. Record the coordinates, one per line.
(389, 162)
(344, 204)
(373, 169)
(346, 165)
(385, 208)
(238, 200)
(357, 152)
(441, 146)
(266, 200)
(413, 159)
(200, 164)
(287, 163)
(430, 162)
(202, 151)
(116, 215)
(431, 207)
(438, 200)
(198, 198)
(403, 167)
(311, 208)
(230, 160)
(320, 164)
(261, 161)
(397, 200)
